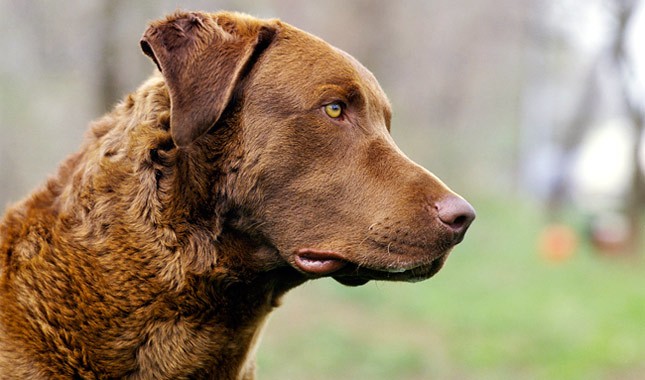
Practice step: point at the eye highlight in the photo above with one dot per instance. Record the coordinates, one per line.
(334, 110)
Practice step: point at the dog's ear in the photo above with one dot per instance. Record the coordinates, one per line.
(202, 58)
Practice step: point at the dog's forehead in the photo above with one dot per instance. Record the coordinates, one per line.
(368, 78)
(312, 62)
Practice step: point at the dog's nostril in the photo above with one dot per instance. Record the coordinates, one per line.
(459, 221)
(455, 212)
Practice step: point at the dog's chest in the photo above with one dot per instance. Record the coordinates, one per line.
(176, 348)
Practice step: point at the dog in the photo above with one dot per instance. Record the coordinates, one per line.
(256, 158)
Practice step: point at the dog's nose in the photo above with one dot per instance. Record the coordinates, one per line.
(456, 213)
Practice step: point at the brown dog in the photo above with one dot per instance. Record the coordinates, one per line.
(258, 159)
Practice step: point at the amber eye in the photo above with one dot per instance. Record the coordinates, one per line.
(334, 110)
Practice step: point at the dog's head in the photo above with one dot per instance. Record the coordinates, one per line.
(315, 173)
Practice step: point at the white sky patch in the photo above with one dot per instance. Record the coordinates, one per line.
(604, 163)
(587, 23)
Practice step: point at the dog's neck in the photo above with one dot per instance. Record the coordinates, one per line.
(234, 301)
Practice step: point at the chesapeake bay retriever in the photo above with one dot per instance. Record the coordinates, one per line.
(257, 158)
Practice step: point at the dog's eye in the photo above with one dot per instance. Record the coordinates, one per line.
(334, 110)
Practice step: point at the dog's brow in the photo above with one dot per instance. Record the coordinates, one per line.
(349, 91)
(354, 94)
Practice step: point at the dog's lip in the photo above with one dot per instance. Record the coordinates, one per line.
(319, 262)
(331, 263)
(325, 262)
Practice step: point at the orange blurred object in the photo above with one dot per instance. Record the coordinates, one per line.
(557, 242)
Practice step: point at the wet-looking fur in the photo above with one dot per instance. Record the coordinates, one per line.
(159, 248)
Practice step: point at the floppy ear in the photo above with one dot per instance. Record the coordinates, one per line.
(202, 58)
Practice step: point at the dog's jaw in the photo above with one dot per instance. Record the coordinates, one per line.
(323, 263)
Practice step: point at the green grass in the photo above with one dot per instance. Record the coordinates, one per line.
(498, 310)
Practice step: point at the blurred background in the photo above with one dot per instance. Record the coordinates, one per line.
(532, 110)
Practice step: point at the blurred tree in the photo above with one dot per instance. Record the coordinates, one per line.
(574, 134)
(615, 61)
(635, 199)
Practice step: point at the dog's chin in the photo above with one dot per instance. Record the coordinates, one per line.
(318, 263)
(357, 276)
(351, 281)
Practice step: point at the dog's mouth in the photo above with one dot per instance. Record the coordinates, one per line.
(320, 263)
